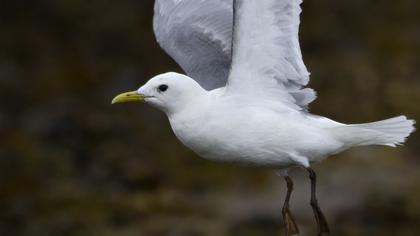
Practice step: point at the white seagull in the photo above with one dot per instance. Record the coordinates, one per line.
(244, 100)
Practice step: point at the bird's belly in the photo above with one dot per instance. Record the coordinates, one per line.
(255, 139)
(238, 147)
(225, 150)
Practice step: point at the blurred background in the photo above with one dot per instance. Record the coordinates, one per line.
(72, 164)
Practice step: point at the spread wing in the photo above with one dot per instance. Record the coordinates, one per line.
(197, 35)
(267, 60)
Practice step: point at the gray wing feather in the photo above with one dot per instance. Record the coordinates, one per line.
(197, 34)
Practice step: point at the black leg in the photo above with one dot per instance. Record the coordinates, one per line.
(323, 228)
(289, 223)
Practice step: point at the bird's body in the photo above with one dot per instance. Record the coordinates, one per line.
(246, 99)
(230, 128)
(217, 129)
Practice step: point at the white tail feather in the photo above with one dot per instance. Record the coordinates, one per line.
(390, 132)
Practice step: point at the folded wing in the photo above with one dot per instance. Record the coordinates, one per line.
(197, 35)
(267, 60)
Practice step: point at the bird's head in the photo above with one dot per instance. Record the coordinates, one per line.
(169, 92)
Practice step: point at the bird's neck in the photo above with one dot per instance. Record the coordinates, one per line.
(189, 106)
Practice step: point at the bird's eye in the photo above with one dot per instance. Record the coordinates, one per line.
(163, 88)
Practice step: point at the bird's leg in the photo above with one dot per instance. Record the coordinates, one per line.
(289, 223)
(323, 228)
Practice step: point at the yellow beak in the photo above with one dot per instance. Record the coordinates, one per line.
(133, 96)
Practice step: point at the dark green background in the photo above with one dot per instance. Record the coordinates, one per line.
(72, 164)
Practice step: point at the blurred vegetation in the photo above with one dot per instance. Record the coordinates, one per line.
(70, 164)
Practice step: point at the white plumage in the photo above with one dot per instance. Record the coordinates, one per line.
(246, 129)
(249, 105)
(267, 59)
(244, 100)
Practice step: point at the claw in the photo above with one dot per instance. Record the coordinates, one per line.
(323, 229)
(289, 222)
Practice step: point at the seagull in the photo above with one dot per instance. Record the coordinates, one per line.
(244, 98)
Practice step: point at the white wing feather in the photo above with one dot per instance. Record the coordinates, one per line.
(267, 60)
